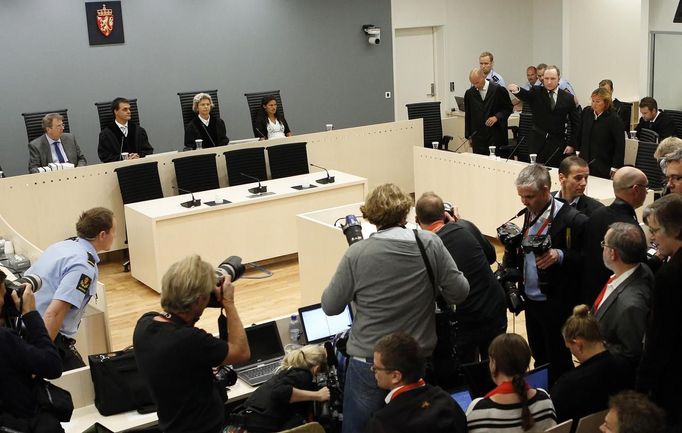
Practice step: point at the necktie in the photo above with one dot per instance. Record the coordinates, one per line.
(124, 130)
(552, 102)
(58, 152)
(601, 295)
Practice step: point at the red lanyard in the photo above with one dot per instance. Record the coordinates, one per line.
(505, 388)
(408, 387)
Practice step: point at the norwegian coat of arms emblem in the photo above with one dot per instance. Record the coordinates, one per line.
(105, 20)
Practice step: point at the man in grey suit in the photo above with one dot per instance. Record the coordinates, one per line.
(622, 307)
(54, 146)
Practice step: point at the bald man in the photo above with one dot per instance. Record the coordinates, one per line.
(485, 119)
(630, 188)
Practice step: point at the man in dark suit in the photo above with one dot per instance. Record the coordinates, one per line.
(573, 175)
(657, 121)
(630, 188)
(550, 277)
(412, 405)
(553, 110)
(622, 307)
(122, 136)
(55, 146)
(488, 108)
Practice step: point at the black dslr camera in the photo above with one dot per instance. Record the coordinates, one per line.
(232, 267)
(538, 245)
(330, 413)
(10, 310)
(509, 273)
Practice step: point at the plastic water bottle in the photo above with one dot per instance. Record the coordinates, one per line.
(294, 328)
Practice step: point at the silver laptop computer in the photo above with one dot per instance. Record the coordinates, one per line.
(266, 354)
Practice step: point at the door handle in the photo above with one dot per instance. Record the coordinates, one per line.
(433, 90)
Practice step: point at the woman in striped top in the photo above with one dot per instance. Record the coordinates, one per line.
(512, 407)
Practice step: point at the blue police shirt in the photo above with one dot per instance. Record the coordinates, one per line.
(69, 273)
(496, 78)
(530, 270)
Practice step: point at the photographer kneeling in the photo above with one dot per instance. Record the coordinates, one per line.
(279, 403)
(176, 359)
(24, 354)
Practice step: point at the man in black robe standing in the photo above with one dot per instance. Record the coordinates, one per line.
(487, 108)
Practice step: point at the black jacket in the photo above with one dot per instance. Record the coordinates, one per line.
(586, 205)
(601, 142)
(112, 142)
(496, 103)
(215, 134)
(663, 126)
(624, 112)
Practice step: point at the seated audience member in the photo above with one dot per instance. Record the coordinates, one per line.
(25, 353)
(269, 122)
(122, 136)
(653, 119)
(412, 405)
(55, 146)
(666, 147)
(282, 402)
(622, 307)
(176, 360)
(211, 130)
(512, 406)
(673, 172)
(630, 412)
(623, 110)
(573, 175)
(600, 136)
(600, 374)
(659, 372)
(483, 315)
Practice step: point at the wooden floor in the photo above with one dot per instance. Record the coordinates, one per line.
(257, 299)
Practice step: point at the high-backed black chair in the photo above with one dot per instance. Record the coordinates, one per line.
(254, 100)
(625, 114)
(34, 122)
(433, 130)
(522, 136)
(138, 182)
(646, 162)
(288, 160)
(196, 173)
(646, 134)
(186, 104)
(248, 161)
(676, 116)
(106, 115)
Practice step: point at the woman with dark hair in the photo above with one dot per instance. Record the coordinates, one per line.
(600, 138)
(210, 129)
(512, 406)
(269, 122)
(586, 389)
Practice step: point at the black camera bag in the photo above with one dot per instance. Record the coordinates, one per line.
(118, 384)
(53, 399)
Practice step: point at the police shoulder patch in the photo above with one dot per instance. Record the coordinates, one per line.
(84, 284)
(496, 78)
(91, 260)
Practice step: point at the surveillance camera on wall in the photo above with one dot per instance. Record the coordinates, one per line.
(373, 33)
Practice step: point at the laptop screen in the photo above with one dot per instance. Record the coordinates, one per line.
(537, 378)
(463, 398)
(318, 327)
(264, 342)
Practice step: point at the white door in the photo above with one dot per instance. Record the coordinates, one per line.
(414, 68)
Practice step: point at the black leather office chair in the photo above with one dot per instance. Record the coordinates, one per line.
(288, 160)
(34, 122)
(433, 130)
(676, 116)
(106, 115)
(138, 182)
(646, 162)
(649, 135)
(255, 100)
(522, 136)
(186, 104)
(248, 161)
(625, 114)
(196, 173)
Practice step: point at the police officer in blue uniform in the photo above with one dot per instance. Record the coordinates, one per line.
(485, 61)
(69, 273)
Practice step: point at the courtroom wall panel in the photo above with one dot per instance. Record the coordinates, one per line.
(314, 51)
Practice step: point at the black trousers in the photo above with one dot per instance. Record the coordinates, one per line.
(543, 327)
(472, 345)
(66, 347)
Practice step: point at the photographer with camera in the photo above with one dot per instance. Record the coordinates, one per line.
(549, 256)
(24, 354)
(282, 402)
(482, 316)
(69, 273)
(386, 278)
(176, 360)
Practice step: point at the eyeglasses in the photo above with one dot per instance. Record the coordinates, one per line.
(605, 245)
(640, 185)
(374, 368)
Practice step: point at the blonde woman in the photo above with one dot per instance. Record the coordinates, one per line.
(203, 126)
(283, 401)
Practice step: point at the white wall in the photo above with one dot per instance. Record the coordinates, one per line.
(422, 13)
(661, 13)
(547, 32)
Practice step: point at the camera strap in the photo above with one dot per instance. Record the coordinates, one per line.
(545, 225)
(439, 299)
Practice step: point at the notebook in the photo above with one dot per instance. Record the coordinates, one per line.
(266, 353)
(318, 327)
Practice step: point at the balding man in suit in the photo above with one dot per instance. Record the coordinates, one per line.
(55, 146)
